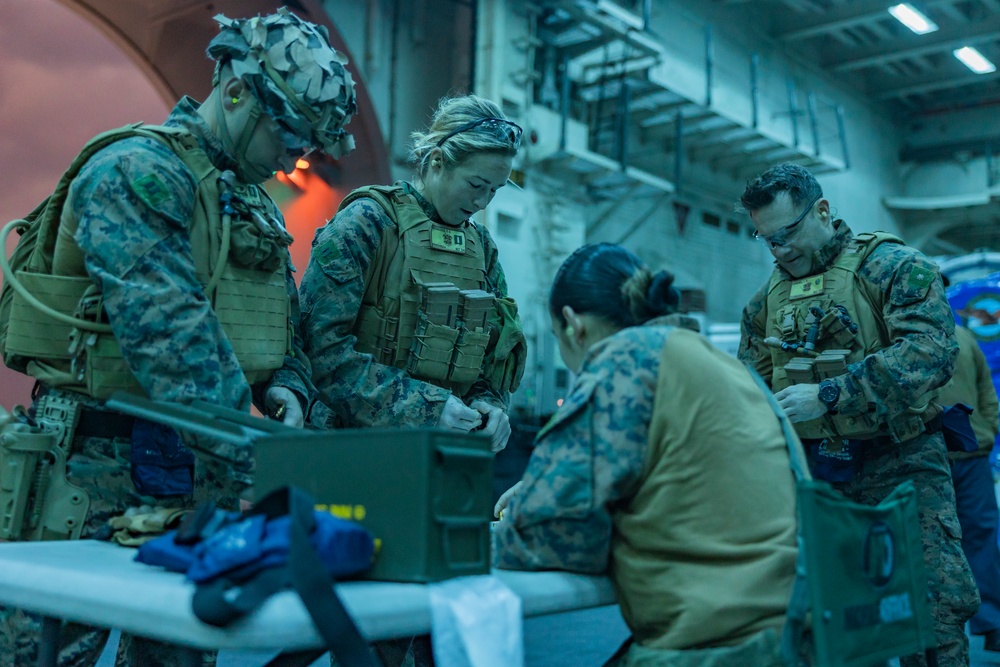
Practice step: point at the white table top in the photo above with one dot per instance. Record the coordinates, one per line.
(100, 584)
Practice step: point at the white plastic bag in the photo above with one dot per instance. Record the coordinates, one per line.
(476, 622)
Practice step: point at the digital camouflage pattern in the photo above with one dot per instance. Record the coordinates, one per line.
(916, 316)
(920, 323)
(295, 74)
(101, 467)
(358, 390)
(954, 596)
(648, 473)
(590, 463)
(137, 248)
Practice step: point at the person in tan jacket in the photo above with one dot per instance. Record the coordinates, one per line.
(665, 467)
(975, 497)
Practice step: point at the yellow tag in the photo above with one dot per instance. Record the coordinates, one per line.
(806, 287)
(448, 239)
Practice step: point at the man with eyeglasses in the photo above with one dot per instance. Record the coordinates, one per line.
(853, 334)
(173, 264)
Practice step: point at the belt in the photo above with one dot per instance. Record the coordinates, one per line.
(934, 425)
(93, 422)
(103, 424)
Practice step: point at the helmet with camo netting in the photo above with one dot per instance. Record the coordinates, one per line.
(298, 78)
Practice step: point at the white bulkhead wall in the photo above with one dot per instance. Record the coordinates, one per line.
(411, 52)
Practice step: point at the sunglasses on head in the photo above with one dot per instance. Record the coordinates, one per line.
(503, 129)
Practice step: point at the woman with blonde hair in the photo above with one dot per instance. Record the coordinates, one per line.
(405, 311)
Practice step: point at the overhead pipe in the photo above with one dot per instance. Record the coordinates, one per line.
(813, 121)
(709, 66)
(679, 151)
(990, 179)
(624, 102)
(564, 102)
(843, 135)
(793, 111)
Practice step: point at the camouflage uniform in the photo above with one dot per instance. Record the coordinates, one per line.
(174, 344)
(141, 257)
(360, 391)
(886, 382)
(145, 221)
(355, 389)
(637, 475)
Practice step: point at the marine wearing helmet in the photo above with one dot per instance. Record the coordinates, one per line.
(294, 73)
(172, 268)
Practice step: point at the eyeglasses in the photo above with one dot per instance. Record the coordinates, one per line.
(780, 238)
(503, 129)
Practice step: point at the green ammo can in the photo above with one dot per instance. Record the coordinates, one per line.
(425, 494)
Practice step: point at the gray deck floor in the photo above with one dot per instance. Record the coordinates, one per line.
(576, 639)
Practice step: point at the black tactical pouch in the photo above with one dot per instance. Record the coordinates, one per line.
(161, 465)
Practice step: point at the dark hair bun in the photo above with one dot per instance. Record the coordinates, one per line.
(662, 296)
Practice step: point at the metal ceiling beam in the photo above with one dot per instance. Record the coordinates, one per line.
(851, 14)
(988, 92)
(669, 116)
(943, 40)
(952, 12)
(693, 125)
(724, 154)
(943, 151)
(764, 152)
(804, 6)
(609, 27)
(877, 29)
(708, 126)
(704, 137)
(886, 91)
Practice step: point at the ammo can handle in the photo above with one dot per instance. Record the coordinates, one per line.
(450, 523)
(463, 452)
(179, 416)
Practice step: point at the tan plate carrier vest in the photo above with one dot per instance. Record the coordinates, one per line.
(251, 305)
(391, 325)
(790, 319)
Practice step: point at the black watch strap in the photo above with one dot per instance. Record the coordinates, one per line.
(829, 393)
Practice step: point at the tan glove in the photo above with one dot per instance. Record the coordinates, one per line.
(141, 524)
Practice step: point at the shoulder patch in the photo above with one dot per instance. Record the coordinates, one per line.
(920, 277)
(328, 252)
(152, 190)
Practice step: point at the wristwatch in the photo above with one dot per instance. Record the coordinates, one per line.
(829, 393)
